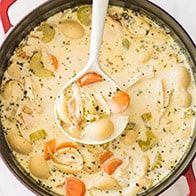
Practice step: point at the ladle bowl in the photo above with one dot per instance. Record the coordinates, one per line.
(98, 20)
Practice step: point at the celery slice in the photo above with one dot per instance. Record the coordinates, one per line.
(157, 161)
(151, 141)
(146, 116)
(48, 32)
(37, 135)
(84, 14)
(36, 66)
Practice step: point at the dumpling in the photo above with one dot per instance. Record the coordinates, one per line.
(14, 71)
(138, 185)
(106, 183)
(18, 143)
(142, 165)
(181, 77)
(68, 160)
(12, 89)
(91, 164)
(72, 29)
(38, 166)
(62, 109)
(146, 56)
(100, 130)
(105, 129)
(183, 98)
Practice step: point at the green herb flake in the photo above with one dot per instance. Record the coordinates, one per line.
(126, 43)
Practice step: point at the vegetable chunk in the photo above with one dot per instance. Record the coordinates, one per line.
(111, 165)
(37, 135)
(105, 156)
(72, 29)
(19, 144)
(89, 78)
(48, 32)
(84, 15)
(39, 167)
(119, 102)
(74, 187)
(151, 141)
(37, 67)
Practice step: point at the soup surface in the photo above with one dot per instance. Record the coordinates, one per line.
(158, 121)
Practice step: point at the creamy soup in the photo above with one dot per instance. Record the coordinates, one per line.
(157, 111)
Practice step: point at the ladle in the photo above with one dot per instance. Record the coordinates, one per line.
(98, 20)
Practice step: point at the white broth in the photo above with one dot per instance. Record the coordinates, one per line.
(141, 56)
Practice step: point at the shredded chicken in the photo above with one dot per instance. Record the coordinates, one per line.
(99, 98)
(71, 108)
(25, 114)
(32, 87)
(161, 95)
(103, 103)
(122, 173)
(74, 106)
(29, 88)
(33, 45)
(77, 97)
(141, 76)
(164, 99)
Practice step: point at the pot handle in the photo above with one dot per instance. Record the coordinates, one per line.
(4, 6)
(190, 178)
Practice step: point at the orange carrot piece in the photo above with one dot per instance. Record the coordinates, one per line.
(74, 187)
(23, 54)
(89, 78)
(119, 102)
(66, 145)
(105, 156)
(111, 165)
(54, 61)
(49, 149)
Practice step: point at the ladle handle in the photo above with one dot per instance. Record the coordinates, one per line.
(98, 21)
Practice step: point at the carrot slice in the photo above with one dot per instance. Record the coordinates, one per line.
(49, 149)
(74, 187)
(119, 102)
(89, 78)
(23, 54)
(54, 61)
(111, 165)
(105, 156)
(66, 145)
